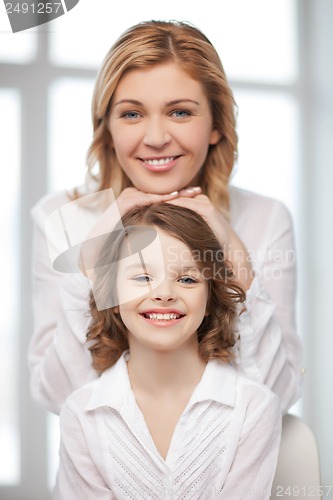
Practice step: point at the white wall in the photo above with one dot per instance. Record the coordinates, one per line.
(316, 252)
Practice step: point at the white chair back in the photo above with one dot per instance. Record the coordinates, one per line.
(298, 469)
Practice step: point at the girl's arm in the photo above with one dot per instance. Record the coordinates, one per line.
(253, 466)
(78, 475)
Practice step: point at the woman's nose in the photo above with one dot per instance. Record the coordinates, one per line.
(156, 133)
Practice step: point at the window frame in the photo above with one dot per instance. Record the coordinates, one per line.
(32, 81)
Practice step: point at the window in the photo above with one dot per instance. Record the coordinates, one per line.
(45, 88)
(70, 131)
(268, 125)
(10, 300)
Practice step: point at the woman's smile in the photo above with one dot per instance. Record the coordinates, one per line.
(160, 164)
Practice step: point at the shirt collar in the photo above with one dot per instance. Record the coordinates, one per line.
(218, 383)
(113, 387)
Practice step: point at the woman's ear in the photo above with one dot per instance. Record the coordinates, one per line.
(215, 136)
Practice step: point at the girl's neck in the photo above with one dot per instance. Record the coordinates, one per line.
(158, 373)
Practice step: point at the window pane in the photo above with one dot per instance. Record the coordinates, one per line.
(70, 132)
(53, 441)
(268, 145)
(15, 47)
(9, 258)
(256, 39)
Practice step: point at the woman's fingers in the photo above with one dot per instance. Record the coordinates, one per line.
(132, 197)
(198, 202)
(190, 192)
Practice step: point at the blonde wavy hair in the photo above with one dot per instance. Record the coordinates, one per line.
(157, 42)
(107, 334)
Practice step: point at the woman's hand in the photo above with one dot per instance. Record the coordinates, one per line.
(234, 249)
(128, 199)
(131, 197)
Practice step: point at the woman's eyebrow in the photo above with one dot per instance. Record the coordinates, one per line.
(181, 101)
(174, 102)
(129, 101)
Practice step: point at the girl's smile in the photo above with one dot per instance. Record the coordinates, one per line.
(161, 128)
(162, 316)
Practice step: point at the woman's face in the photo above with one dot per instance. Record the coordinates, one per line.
(161, 127)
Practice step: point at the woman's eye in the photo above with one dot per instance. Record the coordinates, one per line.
(131, 115)
(142, 278)
(187, 280)
(181, 113)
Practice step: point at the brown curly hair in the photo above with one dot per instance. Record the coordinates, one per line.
(107, 334)
(157, 42)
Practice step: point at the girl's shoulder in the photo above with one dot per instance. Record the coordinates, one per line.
(108, 389)
(229, 380)
(250, 395)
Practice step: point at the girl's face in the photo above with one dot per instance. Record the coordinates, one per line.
(162, 296)
(161, 127)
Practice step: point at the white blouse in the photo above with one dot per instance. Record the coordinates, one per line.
(224, 445)
(268, 350)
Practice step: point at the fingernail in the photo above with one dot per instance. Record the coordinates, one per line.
(173, 193)
(196, 189)
(189, 190)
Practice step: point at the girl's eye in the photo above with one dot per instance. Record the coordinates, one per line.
(142, 278)
(187, 280)
(181, 113)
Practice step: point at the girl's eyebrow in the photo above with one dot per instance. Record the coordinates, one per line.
(170, 103)
(185, 269)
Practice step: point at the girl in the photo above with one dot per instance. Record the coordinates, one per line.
(164, 131)
(169, 417)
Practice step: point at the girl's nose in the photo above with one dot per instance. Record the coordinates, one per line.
(164, 292)
(156, 134)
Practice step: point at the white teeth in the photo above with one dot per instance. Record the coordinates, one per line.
(167, 316)
(161, 161)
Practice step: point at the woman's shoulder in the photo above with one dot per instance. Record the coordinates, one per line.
(248, 207)
(244, 199)
(49, 203)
